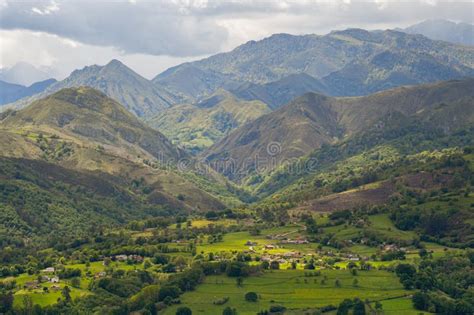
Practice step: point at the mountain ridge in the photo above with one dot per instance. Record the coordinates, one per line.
(117, 81)
(321, 120)
(346, 51)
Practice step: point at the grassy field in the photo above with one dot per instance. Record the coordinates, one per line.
(291, 289)
(236, 241)
(379, 223)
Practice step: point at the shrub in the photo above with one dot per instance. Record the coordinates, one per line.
(251, 297)
(183, 310)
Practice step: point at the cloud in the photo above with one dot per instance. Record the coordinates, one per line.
(157, 28)
(195, 27)
(152, 35)
(59, 56)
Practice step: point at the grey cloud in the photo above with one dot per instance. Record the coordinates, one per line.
(157, 28)
(186, 28)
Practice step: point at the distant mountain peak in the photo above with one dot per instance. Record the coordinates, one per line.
(118, 81)
(446, 30)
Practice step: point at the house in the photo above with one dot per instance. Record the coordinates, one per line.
(136, 258)
(296, 241)
(48, 270)
(32, 285)
(54, 280)
(55, 287)
(251, 243)
(100, 274)
(121, 257)
(390, 247)
(269, 246)
(291, 255)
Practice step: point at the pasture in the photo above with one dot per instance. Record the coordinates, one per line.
(290, 288)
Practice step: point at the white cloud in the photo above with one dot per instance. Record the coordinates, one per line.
(59, 56)
(47, 9)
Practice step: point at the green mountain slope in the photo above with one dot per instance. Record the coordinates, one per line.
(280, 92)
(350, 62)
(198, 126)
(83, 130)
(41, 202)
(90, 115)
(309, 122)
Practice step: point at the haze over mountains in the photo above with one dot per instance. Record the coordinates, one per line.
(10, 92)
(458, 33)
(23, 73)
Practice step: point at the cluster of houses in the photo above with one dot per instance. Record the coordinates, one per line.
(47, 276)
(52, 278)
(251, 244)
(283, 257)
(134, 258)
(294, 241)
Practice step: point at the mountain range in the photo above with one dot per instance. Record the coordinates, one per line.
(276, 69)
(313, 120)
(349, 62)
(117, 81)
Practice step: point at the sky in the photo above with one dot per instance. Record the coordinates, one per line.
(151, 36)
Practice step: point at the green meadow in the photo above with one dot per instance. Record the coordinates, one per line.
(292, 289)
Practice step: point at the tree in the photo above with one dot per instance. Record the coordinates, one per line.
(180, 262)
(160, 259)
(359, 307)
(355, 283)
(337, 283)
(183, 310)
(275, 265)
(66, 293)
(251, 297)
(344, 307)
(76, 282)
(229, 311)
(421, 301)
(6, 302)
(168, 291)
(239, 281)
(378, 307)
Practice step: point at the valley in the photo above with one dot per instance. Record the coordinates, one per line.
(297, 174)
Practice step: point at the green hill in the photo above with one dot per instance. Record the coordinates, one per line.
(198, 126)
(313, 120)
(83, 130)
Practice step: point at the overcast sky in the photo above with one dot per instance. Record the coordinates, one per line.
(151, 36)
